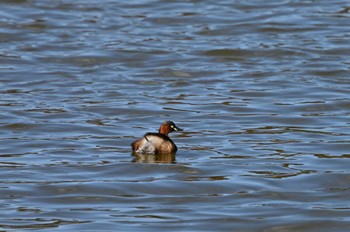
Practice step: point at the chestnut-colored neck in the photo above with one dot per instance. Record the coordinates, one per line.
(164, 130)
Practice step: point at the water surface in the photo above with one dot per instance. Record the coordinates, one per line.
(261, 89)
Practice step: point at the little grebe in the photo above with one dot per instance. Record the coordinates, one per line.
(157, 143)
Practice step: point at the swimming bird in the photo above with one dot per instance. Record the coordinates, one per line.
(157, 143)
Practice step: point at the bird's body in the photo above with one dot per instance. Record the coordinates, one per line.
(157, 143)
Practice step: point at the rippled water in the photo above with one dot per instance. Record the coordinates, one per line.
(260, 87)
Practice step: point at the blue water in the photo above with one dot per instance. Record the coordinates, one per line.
(261, 89)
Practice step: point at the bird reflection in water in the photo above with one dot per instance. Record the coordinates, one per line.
(158, 158)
